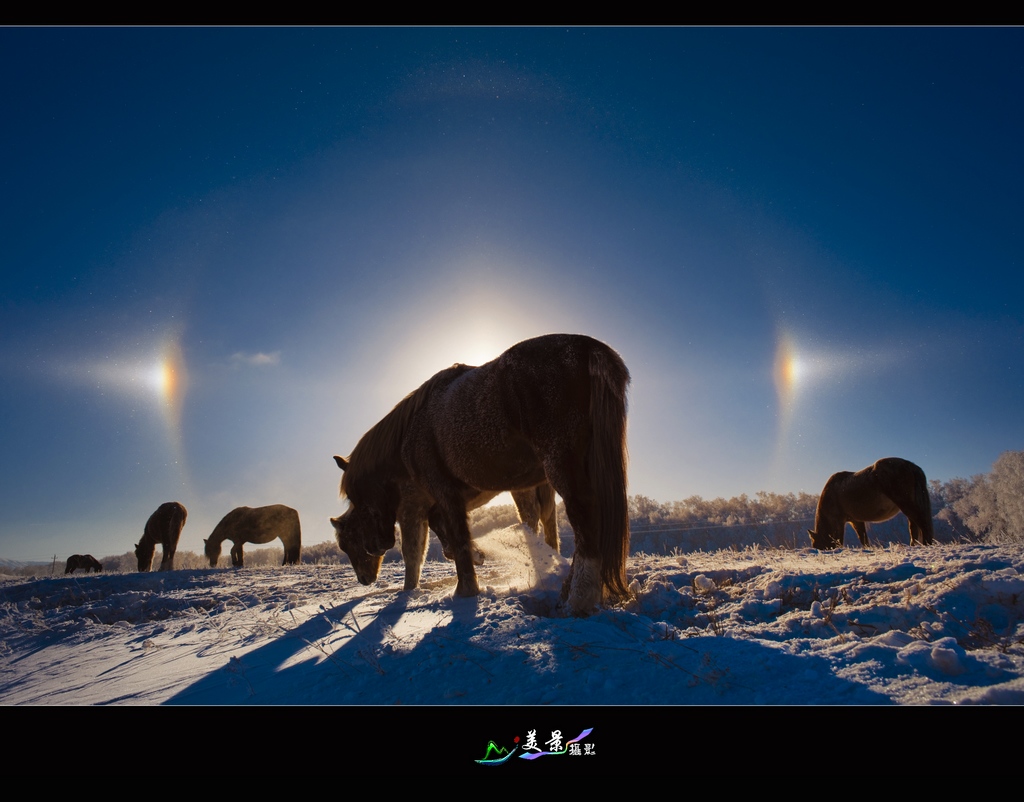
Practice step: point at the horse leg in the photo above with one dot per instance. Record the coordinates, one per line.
(236, 555)
(290, 557)
(434, 518)
(414, 549)
(920, 528)
(583, 587)
(862, 532)
(526, 506)
(167, 563)
(918, 533)
(915, 503)
(549, 514)
(449, 518)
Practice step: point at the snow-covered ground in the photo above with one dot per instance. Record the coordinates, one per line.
(939, 625)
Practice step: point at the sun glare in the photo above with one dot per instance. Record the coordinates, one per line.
(788, 371)
(169, 379)
(159, 376)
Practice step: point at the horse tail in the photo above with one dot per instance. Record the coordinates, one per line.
(924, 504)
(607, 458)
(175, 523)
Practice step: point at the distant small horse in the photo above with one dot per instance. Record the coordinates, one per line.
(85, 561)
(256, 525)
(877, 493)
(536, 507)
(164, 527)
(551, 409)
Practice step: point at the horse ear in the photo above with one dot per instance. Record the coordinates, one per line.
(341, 462)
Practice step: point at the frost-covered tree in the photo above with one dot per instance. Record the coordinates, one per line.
(1007, 480)
(993, 506)
(977, 507)
(945, 496)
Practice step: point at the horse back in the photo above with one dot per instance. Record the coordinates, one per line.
(491, 426)
(165, 524)
(849, 496)
(898, 477)
(258, 525)
(476, 431)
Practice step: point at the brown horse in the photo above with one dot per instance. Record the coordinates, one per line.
(551, 409)
(536, 507)
(256, 525)
(877, 493)
(164, 527)
(85, 561)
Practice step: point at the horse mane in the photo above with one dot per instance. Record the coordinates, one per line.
(379, 451)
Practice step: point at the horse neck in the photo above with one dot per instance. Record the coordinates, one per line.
(378, 454)
(147, 547)
(216, 537)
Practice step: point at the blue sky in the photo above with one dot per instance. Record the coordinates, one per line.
(805, 243)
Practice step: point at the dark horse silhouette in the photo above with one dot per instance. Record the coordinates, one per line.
(551, 409)
(164, 527)
(416, 511)
(85, 561)
(256, 525)
(877, 493)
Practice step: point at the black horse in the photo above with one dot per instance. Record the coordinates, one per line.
(551, 409)
(84, 561)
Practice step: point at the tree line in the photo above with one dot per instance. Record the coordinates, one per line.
(987, 507)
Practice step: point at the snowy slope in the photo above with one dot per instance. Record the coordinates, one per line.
(883, 626)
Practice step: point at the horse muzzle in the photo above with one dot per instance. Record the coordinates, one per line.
(368, 568)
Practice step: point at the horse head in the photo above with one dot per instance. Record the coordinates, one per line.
(144, 554)
(824, 540)
(366, 530)
(212, 551)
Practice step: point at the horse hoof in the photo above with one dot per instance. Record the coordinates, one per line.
(467, 589)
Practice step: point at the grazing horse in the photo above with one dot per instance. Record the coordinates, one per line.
(256, 525)
(86, 561)
(551, 409)
(877, 493)
(164, 527)
(536, 507)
